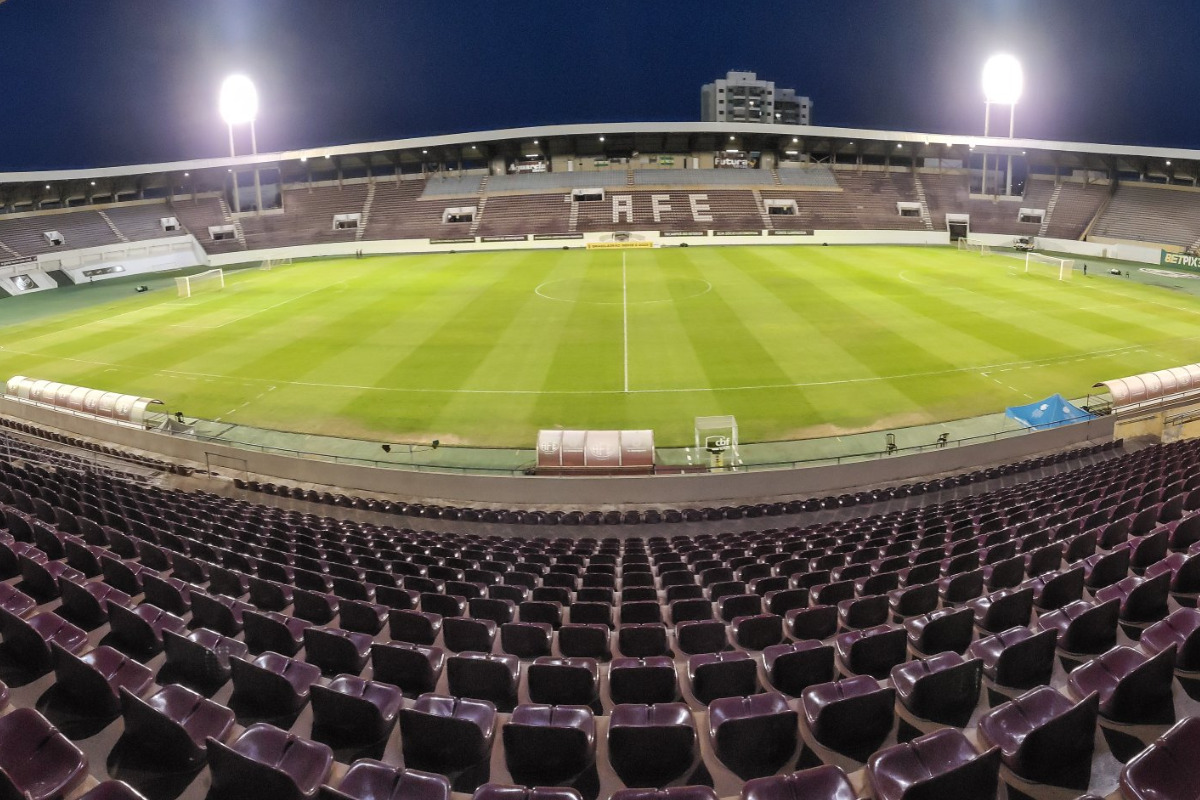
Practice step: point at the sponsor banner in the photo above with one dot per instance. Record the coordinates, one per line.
(618, 245)
(465, 240)
(682, 233)
(737, 233)
(666, 161)
(525, 167)
(1170, 273)
(600, 162)
(512, 237)
(789, 233)
(1175, 260)
(547, 237)
(10, 262)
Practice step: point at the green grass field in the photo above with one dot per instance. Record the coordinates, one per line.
(484, 349)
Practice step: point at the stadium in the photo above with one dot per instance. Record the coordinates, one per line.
(643, 461)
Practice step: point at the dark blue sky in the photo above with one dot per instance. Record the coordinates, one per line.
(100, 82)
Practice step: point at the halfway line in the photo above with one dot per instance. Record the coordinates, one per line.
(625, 318)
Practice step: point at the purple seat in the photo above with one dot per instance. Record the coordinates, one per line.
(730, 674)
(1166, 770)
(17, 603)
(86, 604)
(1105, 569)
(781, 601)
(40, 575)
(1185, 575)
(1084, 628)
(124, 574)
(939, 765)
(417, 627)
(1179, 629)
(753, 736)
(202, 655)
(362, 616)
(497, 791)
(794, 667)
(1143, 601)
(576, 640)
(465, 633)
(113, 790)
(701, 636)
(272, 682)
(651, 745)
(526, 639)
(28, 641)
(1043, 737)
(175, 723)
(1134, 689)
(270, 630)
(852, 717)
(943, 688)
(913, 600)
(318, 607)
(549, 744)
(95, 679)
(814, 622)
(447, 734)
(336, 651)
(355, 710)
(564, 681)
(140, 630)
(485, 676)
(36, 761)
(218, 612)
(863, 612)
(643, 680)
(873, 651)
(368, 779)
(947, 629)
(265, 761)
(1053, 590)
(960, 588)
(169, 594)
(1016, 658)
(270, 595)
(1002, 610)
(819, 783)
(643, 641)
(415, 669)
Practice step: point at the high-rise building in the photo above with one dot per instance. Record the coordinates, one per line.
(742, 97)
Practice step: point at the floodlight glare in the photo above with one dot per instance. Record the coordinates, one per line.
(239, 100)
(1003, 79)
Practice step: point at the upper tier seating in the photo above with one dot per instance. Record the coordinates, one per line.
(198, 215)
(307, 217)
(815, 176)
(79, 228)
(1158, 215)
(949, 194)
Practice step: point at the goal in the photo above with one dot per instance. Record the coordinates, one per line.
(271, 263)
(975, 245)
(1049, 266)
(212, 280)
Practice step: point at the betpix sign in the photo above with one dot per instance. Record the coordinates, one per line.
(1180, 260)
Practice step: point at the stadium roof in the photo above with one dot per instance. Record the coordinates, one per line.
(673, 137)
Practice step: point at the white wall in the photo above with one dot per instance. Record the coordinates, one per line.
(136, 258)
(334, 249)
(1102, 249)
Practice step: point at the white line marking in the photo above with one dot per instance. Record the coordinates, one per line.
(625, 318)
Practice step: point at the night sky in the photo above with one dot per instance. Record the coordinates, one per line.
(103, 82)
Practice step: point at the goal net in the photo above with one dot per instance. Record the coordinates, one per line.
(212, 280)
(1049, 266)
(271, 263)
(974, 245)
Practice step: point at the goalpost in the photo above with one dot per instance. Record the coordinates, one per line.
(212, 280)
(975, 245)
(271, 263)
(1059, 268)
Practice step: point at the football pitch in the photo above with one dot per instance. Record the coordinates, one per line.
(486, 348)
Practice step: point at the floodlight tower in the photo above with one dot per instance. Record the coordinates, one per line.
(1003, 81)
(239, 105)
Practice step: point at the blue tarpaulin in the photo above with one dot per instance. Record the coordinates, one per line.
(1055, 410)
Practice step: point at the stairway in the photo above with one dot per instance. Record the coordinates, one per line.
(483, 185)
(926, 217)
(10, 251)
(478, 219)
(1050, 209)
(629, 176)
(775, 179)
(366, 212)
(112, 225)
(762, 210)
(574, 221)
(1194, 248)
(238, 233)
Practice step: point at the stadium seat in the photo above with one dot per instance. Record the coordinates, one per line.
(367, 779)
(938, 764)
(174, 724)
(267, 761)
(36, 761)
(1044, 738)
(353, 709)
(851, 717)
(753, 736)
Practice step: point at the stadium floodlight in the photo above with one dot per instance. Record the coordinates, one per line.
(239, 100)
(238, 105)
(1003, 79)
(1003, 82)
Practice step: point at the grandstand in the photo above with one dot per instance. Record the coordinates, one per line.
(1013, 618)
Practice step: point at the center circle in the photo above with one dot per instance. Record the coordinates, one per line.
(611, 293)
